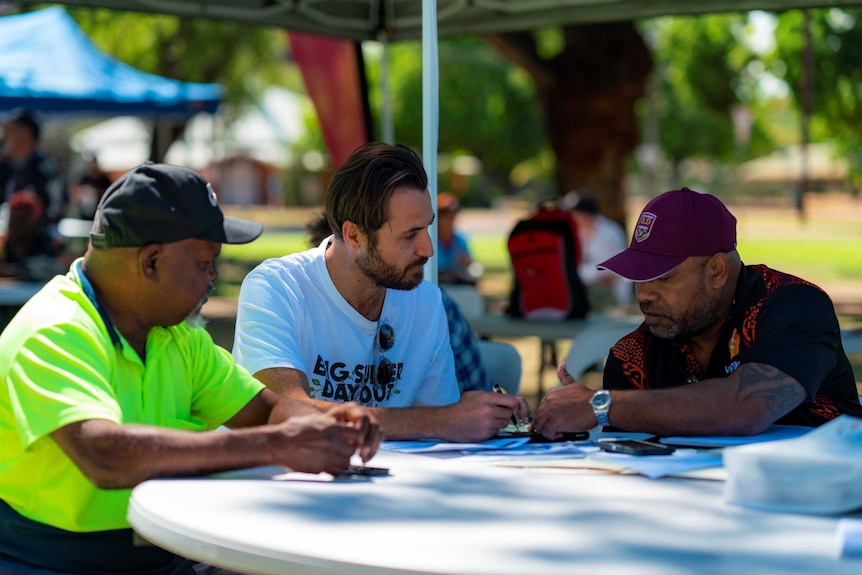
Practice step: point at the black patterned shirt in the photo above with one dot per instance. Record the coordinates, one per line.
(776, 319)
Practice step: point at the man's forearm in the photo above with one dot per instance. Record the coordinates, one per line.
(116, 457)
(744, 403)
(405, 423)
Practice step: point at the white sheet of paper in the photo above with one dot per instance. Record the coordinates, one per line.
(655, 466)
(772, 433)
(434, 446)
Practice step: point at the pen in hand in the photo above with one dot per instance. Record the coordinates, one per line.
(498, 389)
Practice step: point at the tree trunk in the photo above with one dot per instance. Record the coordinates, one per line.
(164, 133)
(588, 92)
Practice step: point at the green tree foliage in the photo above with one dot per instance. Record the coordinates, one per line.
(488, 106)
(836, 85)
(588, 80)
(702, 65)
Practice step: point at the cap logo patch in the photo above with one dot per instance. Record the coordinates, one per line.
(644, 227)
(212, 195)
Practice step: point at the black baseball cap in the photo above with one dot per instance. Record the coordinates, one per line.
(161, 204)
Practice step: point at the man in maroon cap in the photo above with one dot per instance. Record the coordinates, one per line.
(724, 349)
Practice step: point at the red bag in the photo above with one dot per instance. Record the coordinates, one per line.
(545, 251)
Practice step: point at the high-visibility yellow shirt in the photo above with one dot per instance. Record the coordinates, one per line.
(61, 361)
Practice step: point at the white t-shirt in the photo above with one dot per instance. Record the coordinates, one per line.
(608, 240)
(291, 315)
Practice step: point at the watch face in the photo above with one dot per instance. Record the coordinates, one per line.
(601, 400)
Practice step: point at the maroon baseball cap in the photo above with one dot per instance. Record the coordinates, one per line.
(672, 227)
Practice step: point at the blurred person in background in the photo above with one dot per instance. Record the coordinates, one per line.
(317, 229)
(5, 167)
(36, 198)
(601, 238)
(89, 189)
(455, 264)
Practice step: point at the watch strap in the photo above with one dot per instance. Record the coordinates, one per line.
(602, 417)
(602, 413)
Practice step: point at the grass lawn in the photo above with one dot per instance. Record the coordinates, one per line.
(822, 252)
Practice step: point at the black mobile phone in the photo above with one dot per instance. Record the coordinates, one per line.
(536, 437)
(634, 447)
(364, 470)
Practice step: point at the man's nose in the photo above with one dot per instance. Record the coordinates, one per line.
(645, 291)
(425, 247)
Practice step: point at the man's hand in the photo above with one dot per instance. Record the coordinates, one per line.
(315, 443)
(565, 408)
(480, 414)
(364, 421)
(564, 376)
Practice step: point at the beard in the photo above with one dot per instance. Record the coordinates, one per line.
(696, 321)
(195, 319)
(388, 275)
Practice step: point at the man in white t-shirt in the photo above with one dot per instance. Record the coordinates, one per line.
(601, 238)
(353, 320)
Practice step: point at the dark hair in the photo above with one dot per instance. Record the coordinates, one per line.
(26, 119)
(360, 189)
(580, 200)
(317, 229)
(587, 204)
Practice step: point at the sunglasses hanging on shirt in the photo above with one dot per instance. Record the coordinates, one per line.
(384, 369)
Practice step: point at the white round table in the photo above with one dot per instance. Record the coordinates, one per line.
(456, 516)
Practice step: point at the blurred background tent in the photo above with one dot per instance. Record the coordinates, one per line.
(263, 132)
(242, 157)
(49, 65)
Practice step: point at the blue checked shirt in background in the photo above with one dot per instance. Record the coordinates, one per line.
(469, 370)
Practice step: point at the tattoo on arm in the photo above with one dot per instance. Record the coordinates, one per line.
(778, 391)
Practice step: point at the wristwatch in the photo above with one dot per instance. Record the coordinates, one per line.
(601, 404)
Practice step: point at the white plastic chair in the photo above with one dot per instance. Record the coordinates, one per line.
(468, 298)
(851, 339)
(502, 363)
(590, 348)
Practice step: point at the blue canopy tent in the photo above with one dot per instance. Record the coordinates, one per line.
(48, 64)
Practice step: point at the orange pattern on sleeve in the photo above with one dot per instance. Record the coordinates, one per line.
(630, 350)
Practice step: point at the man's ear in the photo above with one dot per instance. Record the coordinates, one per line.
(353, 236)
(148, 258)
(719, 269)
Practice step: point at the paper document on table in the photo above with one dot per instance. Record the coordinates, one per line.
(433, 446)
(259, 472)
(772, 433)
(850, 537)
(565, 450)
(655, 466)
